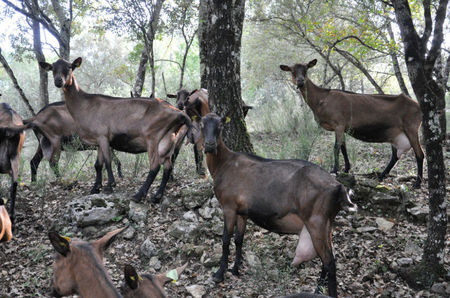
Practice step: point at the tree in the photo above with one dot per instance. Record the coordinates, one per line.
(141, 18)
(222, 40)
(421, 58)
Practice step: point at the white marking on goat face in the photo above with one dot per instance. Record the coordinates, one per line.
(401, 143)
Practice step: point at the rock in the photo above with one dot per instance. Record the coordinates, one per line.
(155, 263)
(96, 209)
(138, 212)
(439, 288)
(382, 198)
(89, 231)
(211, 260)
(419, 212)
(197, 291)
(366, 229)
(190, 216)
(148, 248)
(206, 212)
(404, 261)
(252, 260)
(383, 224)
(183, 230)
(128, 234)
(411, 247)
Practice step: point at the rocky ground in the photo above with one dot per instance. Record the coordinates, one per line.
(371, 246)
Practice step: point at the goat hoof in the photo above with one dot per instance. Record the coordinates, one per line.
(108, 190)
(137, 198)
(218, 278)
(235, 271)
(380, 177)
(156, 198)
(95, 190)
(417, 184)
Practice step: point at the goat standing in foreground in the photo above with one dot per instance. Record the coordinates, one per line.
(5, 223)
(197, 100)
(377, 118)
(55, 130)
(133, 125)
(78, 267)
(282, 196)
(145, 285)
(12, 136)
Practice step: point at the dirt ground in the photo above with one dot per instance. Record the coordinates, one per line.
(367, 257)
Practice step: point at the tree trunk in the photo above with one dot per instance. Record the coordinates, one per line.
(43, 75)
(11, 75)
(140, 75)
(431, 98)
(395, 64)
(203, 41)
(223, 80)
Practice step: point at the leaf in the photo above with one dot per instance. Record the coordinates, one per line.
(173, 274)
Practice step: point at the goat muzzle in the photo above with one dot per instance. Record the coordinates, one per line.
(210, 148)
(58, 82)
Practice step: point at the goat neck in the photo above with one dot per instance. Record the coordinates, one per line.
(217, 159)
(312, 94)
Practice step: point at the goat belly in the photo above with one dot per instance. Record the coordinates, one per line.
(370, 133)
(287, 224)
(126, 143)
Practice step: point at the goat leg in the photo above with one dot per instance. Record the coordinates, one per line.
(13, 191)
(34, 163)
(156, 198)
(111, 181)
(344, 153)
(238, 241)
(229, 222)
(98, 178)
(199, 161)
(148, 181)
(391, 164)
(118, 163)
(322, 282)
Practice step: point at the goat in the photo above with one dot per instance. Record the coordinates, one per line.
(395, 119)
(145, 285)
(55, 130)
(5, 223)
(132, 125)
(12, 136)
(78, 267)
(282, 196)
(198, 103)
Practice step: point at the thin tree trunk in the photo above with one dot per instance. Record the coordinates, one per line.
(140, 75)
(395, 64)
(11, 75)
(43, 75)
(223, 80)
(203, 41)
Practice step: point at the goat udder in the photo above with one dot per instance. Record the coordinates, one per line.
(402, 144)
(305, 249)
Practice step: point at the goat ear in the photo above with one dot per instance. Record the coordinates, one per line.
(193, 91)
(285, 68)
(131, 276)
(46, 66)
(171, 96)
(60, 243)
(76, 63)
(312, 63)
(103, 243)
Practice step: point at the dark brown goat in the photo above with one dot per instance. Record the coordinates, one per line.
(55, 130)
(133, 125)
(394, 119)
(282, 196)
(12, 136)
(78, 267)
(5, 223)
(198, 103)
(145, 285)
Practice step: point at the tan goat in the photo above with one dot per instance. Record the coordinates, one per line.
(394, 119)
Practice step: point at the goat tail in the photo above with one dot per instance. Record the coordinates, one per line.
(344, 198)
(187, 121)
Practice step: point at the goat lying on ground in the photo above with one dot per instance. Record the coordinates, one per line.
(133, 125)
(5, 223)
(145, 285)
(394, 119)
(12, 136)
(78, 267)
(198, 101)
(282, 196)
(56, 131)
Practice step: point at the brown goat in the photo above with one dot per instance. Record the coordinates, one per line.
(5, 223)
(198, 103)
(78, 267)
(12, 136)
(55, 130)
(133, 125)
(394, 119)
(145, 285)
(282, 196)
